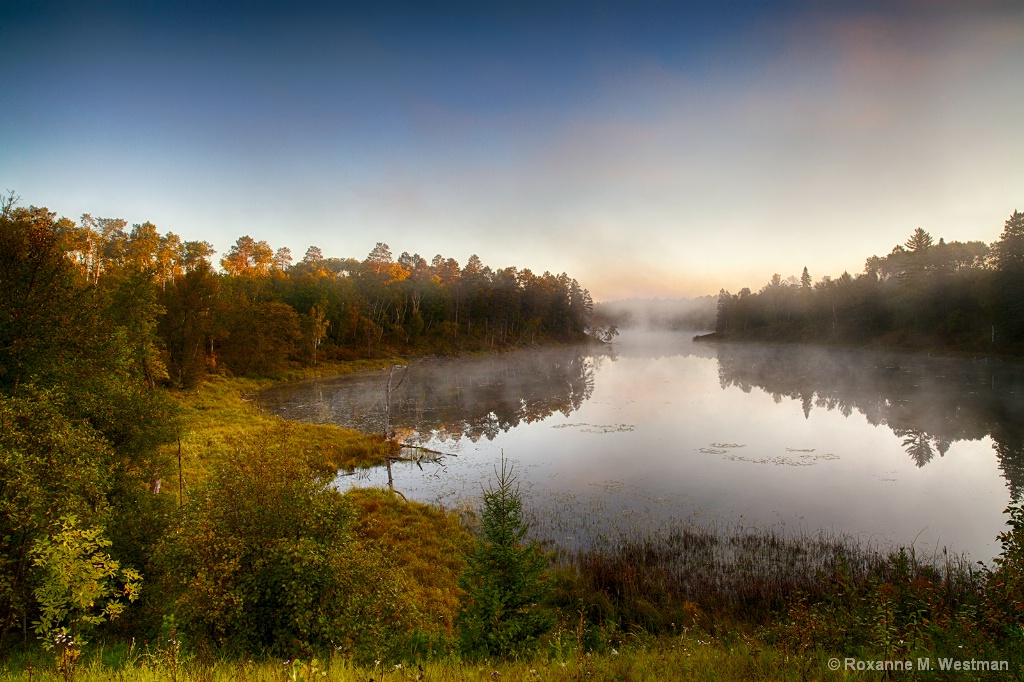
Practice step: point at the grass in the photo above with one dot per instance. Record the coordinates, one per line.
(690, 655)
(750, 573)
(222, 409)
(426, 545)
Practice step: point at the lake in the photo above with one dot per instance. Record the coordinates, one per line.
(888, 448)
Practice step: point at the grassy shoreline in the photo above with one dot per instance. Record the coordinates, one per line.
(221, 410)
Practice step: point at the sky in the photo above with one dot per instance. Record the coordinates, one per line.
(648, 149)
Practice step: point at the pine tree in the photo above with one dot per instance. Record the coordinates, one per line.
(503, 583)
(1008, 252)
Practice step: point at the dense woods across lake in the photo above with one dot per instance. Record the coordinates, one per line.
(923, 294)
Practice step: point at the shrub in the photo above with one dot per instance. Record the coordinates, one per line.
(1004, 586)
(261, 559)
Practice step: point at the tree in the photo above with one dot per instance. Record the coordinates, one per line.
(44, 312)
(50, 466)
(1008, 252)
(380, 258)
(318, 324)
(805, 280)
(170, 255)
(196, 252)
(248, 256)
(259, 336)
(187, 325)
(282, 259)
(919, 242)
(504, 582)
(79, 426)
(313, 255)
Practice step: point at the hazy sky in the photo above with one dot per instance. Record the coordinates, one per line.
(652, 149)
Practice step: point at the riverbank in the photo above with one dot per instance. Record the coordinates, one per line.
(222, 410)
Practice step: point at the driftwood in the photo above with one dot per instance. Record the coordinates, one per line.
(433, 452)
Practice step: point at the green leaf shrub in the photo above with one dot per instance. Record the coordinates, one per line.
(261, 559)
(1003, 607)
(81, 584)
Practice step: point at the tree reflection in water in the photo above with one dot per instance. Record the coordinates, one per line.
(928, 402)
(469, 398)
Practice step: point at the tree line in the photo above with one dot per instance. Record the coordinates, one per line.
(923, 293)
(263, 310)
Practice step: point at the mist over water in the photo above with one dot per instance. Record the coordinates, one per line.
(890, 448)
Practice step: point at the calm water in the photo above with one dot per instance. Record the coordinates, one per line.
(890, 448)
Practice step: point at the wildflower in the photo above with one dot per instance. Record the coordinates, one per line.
(615, 652)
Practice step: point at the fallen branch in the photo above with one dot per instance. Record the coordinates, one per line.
(433, 452)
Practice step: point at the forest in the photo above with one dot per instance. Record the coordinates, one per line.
(154, 524)
(263, 310)
(923, 294)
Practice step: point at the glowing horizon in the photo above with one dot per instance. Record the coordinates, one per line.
(646, 150)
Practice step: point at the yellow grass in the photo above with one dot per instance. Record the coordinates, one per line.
(428, 545)
(223, 409)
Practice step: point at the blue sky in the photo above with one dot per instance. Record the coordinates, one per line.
(653, 149)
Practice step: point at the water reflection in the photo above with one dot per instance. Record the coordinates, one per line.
(880, 445)
(928, 402)
(469, 398)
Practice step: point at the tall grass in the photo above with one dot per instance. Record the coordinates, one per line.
(751, 574)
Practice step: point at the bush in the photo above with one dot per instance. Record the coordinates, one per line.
(504, 581)
(262, 559)
(1004, 586)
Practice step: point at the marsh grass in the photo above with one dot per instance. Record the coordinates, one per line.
(428, 546)
(222, 410)
(801, 593)
(748, 573)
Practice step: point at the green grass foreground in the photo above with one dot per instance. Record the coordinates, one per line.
(690, 656)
